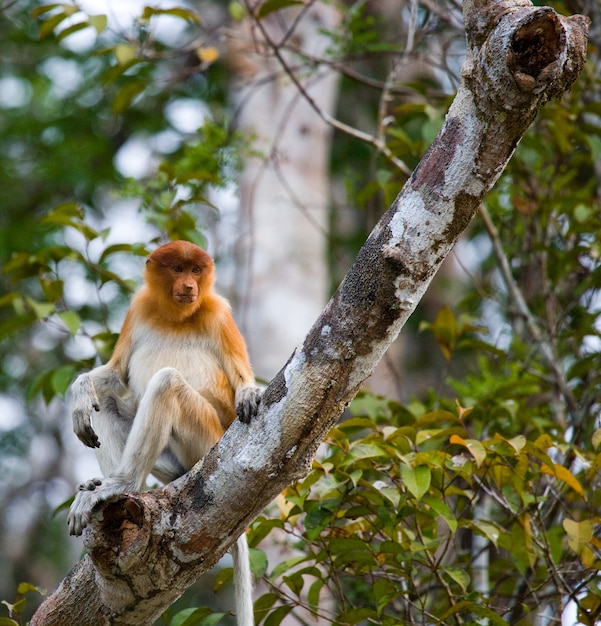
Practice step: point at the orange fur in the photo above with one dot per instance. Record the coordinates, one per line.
(207, 320)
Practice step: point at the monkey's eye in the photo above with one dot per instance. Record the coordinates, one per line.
(178, 269)
(196, 269)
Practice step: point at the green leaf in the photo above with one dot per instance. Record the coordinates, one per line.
(61, 378)
(295, 583)
(391, 493)
(41, 310)
(74, 28)
(366, 451)
(466, 606)
(269, 6)
(63, 506)
(444, 328)
(486, 529)
(265, 602)
(579, 533)
(258, 562)
(556, 549)
(225, 575)
(354, 552)
(19, 606)
(443, 510)
(99, 22)
(14, 324)
(275, 617)
(417, 480)
(113, 73)
(126, 95)
(71, 320)
(48, 26)
(184, 14)
(286, 565)
(458, 575)
(435, 418)
(237, 11)
(24, 588)
(544, 442)
(356, 616)
(41, 384)
(563, 473)
(5, 621)
(210, 620)
(431, 433)
(124, 53)
(200, 616)
(314, 592)
(385, 591)
(262, 527)
(67, 214)
(474, 446)
(116, 248)
(45, 8)
(519, 541)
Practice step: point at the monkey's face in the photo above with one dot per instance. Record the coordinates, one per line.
(185, 283)
(180, 274)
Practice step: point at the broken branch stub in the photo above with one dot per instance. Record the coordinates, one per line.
(533, 48)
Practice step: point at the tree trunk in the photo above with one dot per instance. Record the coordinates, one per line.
(284, 193)
(146, 549)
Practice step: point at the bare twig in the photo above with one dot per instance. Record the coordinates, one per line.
(378, 144)
(545, 347)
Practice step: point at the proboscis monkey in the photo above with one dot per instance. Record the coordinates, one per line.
(179, 374)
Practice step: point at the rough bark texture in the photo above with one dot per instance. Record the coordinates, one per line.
(146, 549)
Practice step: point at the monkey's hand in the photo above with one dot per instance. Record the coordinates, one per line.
(91, 493)
(84, 401)
(247, 403)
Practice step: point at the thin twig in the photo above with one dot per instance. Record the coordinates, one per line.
(411, 31)
(546, 348)
(326, 117)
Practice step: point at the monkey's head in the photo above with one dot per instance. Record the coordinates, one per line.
(181, 274)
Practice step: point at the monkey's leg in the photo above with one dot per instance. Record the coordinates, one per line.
(112, 425)
(171, 414)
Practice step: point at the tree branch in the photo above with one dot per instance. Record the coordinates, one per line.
(146, 549)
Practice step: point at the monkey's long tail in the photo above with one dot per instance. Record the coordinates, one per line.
(243, 582)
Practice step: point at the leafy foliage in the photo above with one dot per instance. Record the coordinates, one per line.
(16, 608)
(407, 512)
(474, 502)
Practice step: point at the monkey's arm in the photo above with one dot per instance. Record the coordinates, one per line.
(87, 394)
(84, 400)
(89, 390)
(237, 367)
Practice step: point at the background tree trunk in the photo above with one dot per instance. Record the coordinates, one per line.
(145, 549)
(284, 191)
(284, 185)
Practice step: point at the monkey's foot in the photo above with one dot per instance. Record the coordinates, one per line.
(90, 494)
